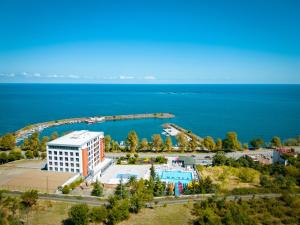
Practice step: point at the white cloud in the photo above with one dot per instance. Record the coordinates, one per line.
(37, 75)
(7, 75)
(126, 77)
(73, 76)
(55, 76)
(149, 78)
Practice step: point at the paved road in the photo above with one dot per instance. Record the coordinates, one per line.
(93, 201)
(267, 152)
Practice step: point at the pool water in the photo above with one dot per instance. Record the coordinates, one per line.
(175, 176)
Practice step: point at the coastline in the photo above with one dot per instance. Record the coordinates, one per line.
(25, 132)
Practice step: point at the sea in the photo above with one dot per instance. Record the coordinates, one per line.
(207, 110)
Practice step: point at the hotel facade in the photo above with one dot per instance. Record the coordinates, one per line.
(77, 152)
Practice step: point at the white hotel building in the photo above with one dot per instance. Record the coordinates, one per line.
(77, 152)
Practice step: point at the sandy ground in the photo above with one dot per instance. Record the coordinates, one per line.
(27, 174)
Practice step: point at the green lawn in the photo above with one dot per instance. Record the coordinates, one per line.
(53, 213)
(49, 213)
(169, 215)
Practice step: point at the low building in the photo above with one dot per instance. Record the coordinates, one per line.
(77, 152)
(184, 161)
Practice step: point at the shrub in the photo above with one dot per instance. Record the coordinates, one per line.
(79, 214)
(65, 189)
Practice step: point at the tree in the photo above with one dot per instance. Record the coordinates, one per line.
(256, 143)
(115, 146)
(168, 144)
(119, 212)
(152, 172)
(181, 141)
(8, 142)
(107, 143)
(276, 142)
(34, 142)
(231, 142)
(54, 135)
(79, 214)
(157, 142)
(36, 154)
(219, 159)
(132, 141)
(144, 145)
(43, 143)
(25, 145)
(209, 143)
(29, 154)
(66, 189)
(14, 155)
(219, 144)
(98, 214)
(193, 144)
(43, 155)
(3, 158)
(291, 142)
(98, 189)
(245, 146)
(29, 198)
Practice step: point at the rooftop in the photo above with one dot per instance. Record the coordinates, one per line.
(76, 138)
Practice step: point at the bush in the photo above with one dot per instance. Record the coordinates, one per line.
(65, 189)
(98, 189)
(79, 214)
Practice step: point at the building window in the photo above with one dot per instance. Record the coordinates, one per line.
(50, 168)
(77, 170)
(60, 153)
(77, 154)
(67, 170)
(67, 164)
(77, 159)
(61, 164)
(50, 157)
(71, 153)
(72, 164)
(61, 169)
(61, 158)
(77, 164)
(55, 157)
(72, 170)
(56, 169)
(50, 152)
(55, 152)
(55, 163)
(50, 163)
(66, 153)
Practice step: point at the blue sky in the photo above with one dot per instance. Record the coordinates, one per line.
(150, 41)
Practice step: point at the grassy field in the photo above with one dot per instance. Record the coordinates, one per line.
(53, 213)
(230, 177)
(169, 215)
(49, 213)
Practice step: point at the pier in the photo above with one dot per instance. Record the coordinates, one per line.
(25, 132)
(175, 129)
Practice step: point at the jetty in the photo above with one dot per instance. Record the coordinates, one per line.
(172, 129)
(25, 132)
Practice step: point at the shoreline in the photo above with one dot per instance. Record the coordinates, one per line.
(25, 132)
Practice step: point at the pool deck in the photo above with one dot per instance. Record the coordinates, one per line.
(110, 175)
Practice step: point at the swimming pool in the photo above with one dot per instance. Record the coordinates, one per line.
(175, 176)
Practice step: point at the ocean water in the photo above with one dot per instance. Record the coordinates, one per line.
(250, 110)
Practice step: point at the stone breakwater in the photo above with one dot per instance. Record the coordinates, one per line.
(25, 132)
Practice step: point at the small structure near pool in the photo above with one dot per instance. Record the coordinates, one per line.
(184, 161)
